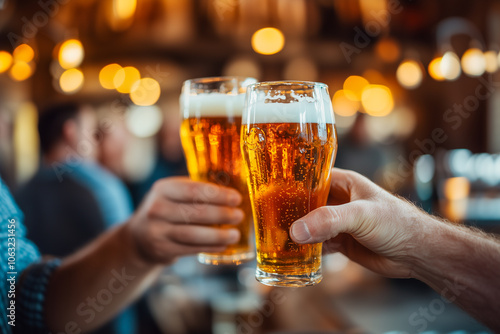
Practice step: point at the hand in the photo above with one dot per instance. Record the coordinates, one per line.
(174, 219)
(366, 223)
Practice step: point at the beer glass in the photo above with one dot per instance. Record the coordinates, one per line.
(210, 134)
(289, 143)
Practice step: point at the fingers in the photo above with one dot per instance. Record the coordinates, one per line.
(203, 236)
(184, 213)
(327, 222)
(182, 189)
(348, 186)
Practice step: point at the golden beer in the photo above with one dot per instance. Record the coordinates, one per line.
(210, 135)
(289, 170)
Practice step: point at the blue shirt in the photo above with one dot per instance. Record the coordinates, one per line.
(17, 253)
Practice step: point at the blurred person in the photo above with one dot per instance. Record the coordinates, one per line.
(116, 142)
(87, 288)
(394, 238)
(71, 199)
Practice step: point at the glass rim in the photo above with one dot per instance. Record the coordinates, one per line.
(309, 84)
(218, 79)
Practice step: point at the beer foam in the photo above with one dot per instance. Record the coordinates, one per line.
(305, 110)
(212, 105)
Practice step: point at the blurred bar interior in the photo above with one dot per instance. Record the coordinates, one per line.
(414, 87)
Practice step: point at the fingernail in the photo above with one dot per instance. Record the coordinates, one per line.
(233, 236)
(300, 231)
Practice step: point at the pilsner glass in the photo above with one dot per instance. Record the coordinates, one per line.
(210, 133)
(289, 143)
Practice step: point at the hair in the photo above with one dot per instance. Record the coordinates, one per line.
(51, 123)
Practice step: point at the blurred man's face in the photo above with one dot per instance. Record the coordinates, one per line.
(86, 135)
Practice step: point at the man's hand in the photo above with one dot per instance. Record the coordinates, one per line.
(366, 223)
(175, 218)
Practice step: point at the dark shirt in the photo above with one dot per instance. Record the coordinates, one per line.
(61, 215)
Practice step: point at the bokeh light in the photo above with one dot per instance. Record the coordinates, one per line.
(145, 92)
(490, 58)
(5, 61)
(377, 100)
(71, 80)
(124, 9)
(20, 71)
(354, 86)
(268, 41)
(70, 54)
(344, 106)
(435, 69)
(409, 74)
(456, 188)
(473, 62)
(143, 121)
(107, 75)
(24, 53)
(450, 66)
(388, 50)
(125, 78)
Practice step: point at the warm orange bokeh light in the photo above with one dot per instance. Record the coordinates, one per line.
(70, 54)
(145, 92)
(377, 100)
(24, 53)
(107, 75)
(435, 69)
(5, 61)
(125, 78)
(343, 105)
(353, 87)
(268, 41)
(20, 71)
(71, 80)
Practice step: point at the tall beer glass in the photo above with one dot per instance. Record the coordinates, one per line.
(210, 133)
(289, 143)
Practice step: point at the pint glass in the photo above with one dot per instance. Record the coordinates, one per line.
(210, 133)
(289, 143)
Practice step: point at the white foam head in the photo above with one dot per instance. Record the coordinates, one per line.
(212, 105)
(304, 110)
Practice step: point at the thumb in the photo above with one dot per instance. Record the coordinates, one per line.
(327, 222)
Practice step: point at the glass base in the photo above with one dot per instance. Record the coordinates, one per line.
(273, 279)
(216, 259)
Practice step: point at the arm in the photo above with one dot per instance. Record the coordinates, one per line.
(394, 238)
(96, 282)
